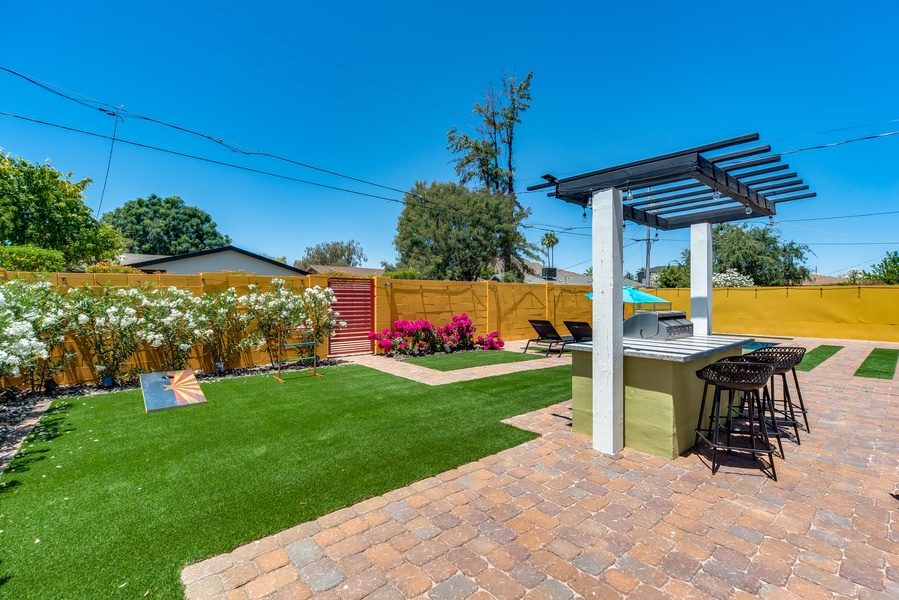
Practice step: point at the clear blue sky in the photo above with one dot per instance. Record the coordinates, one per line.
(370, 89)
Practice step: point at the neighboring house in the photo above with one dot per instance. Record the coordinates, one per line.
(359, 271)
(227, 258)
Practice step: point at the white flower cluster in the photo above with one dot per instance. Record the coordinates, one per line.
(731, 278)
(173, 323)
(19, 347)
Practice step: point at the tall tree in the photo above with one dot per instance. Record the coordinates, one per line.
(887, 270)
(447, 231)
(489, 157)
(158, 225)
(754, 252)
(549, 242)
(336, 254)
(41, 207)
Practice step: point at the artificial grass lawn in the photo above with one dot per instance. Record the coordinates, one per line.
(466, 360)
(121, 500)
(817, 356)
(880, 364)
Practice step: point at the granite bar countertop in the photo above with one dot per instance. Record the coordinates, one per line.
(677, 350)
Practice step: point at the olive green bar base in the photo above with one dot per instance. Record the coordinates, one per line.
(661, 401)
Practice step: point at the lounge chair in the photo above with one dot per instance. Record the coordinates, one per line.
(580, 331)
(547, 334)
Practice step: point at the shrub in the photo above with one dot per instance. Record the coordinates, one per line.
(19, 347)
(731, 278)
(272, 310)
(457, 334)
(46, 312)
(172, 323)
(491, 342)
(106, 322)
(31, 258)
(226, 325)
(110, 267)
(401, 274)
(316, 312)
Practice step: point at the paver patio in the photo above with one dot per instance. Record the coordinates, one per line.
(554, 518)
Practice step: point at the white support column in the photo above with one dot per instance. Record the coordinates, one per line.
(608, 317)
(701, 278)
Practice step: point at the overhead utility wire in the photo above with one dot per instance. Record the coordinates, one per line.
(202, 159)
(118, 111)
(328, 60)
(270, 69)
(877, 214)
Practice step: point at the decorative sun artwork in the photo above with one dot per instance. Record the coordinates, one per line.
(170, 389)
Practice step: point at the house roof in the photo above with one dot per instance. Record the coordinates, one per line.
(362, 271)
(129, 259)
(158, 262)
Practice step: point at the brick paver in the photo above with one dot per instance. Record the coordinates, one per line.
(555, 519)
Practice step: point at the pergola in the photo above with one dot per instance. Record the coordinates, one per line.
(694, 188)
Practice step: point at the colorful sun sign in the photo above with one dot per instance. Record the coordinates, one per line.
(170, 389)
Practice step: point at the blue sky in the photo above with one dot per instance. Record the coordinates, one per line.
(370, 89)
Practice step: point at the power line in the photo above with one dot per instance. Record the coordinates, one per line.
(120, 112)
(115, 129)
(202, 159)
(877, 214)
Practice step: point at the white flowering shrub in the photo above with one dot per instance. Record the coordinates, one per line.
(318, 314)
(19, 347)
(731, 278)
(172, 323)
(226, 323)
(269, 311)
(106, 323)
(46, 311)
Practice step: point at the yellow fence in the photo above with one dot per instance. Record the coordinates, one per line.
(868, 313)
(843, 312)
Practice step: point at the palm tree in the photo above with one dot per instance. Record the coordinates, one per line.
(549, 241)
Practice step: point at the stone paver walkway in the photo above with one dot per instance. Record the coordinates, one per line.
(407, 370)
(555, 519)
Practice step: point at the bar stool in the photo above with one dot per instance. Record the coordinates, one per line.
(731, 377)
(792, 355)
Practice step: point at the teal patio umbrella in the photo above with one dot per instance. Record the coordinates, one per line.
(632, 295)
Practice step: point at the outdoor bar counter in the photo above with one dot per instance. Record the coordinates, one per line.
(661, 391)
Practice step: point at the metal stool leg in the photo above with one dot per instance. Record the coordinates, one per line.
(802, 408)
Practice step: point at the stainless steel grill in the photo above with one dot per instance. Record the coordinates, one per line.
(665, 325)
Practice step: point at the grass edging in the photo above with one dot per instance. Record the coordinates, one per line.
(880, 364)
(815, 357)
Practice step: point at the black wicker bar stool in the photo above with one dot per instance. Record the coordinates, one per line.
(785, 359)
(735, 376)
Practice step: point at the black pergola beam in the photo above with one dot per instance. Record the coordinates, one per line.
(740, 154)
(676, 188)
(755, 162)
(778, 185)
(799, 197)
(644, 218)
(767, 179)
(675, 168)
(773, 169)
(720, 179)
(661, 199)
(713, 216)
(798, 188)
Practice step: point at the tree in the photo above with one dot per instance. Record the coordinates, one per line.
(447, 231)
(335, 254)
(488, 159)
(168, 226)
(40, 207)
(549, 242)
(887, 270)
(757, 253)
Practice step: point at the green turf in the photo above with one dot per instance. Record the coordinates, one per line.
(817, 356)
(880, 364)
(466, 360)
(121, 500)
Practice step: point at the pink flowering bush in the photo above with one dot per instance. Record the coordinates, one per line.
(422, 337)
(491, 342)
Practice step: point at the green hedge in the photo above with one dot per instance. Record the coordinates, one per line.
(30, 258)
